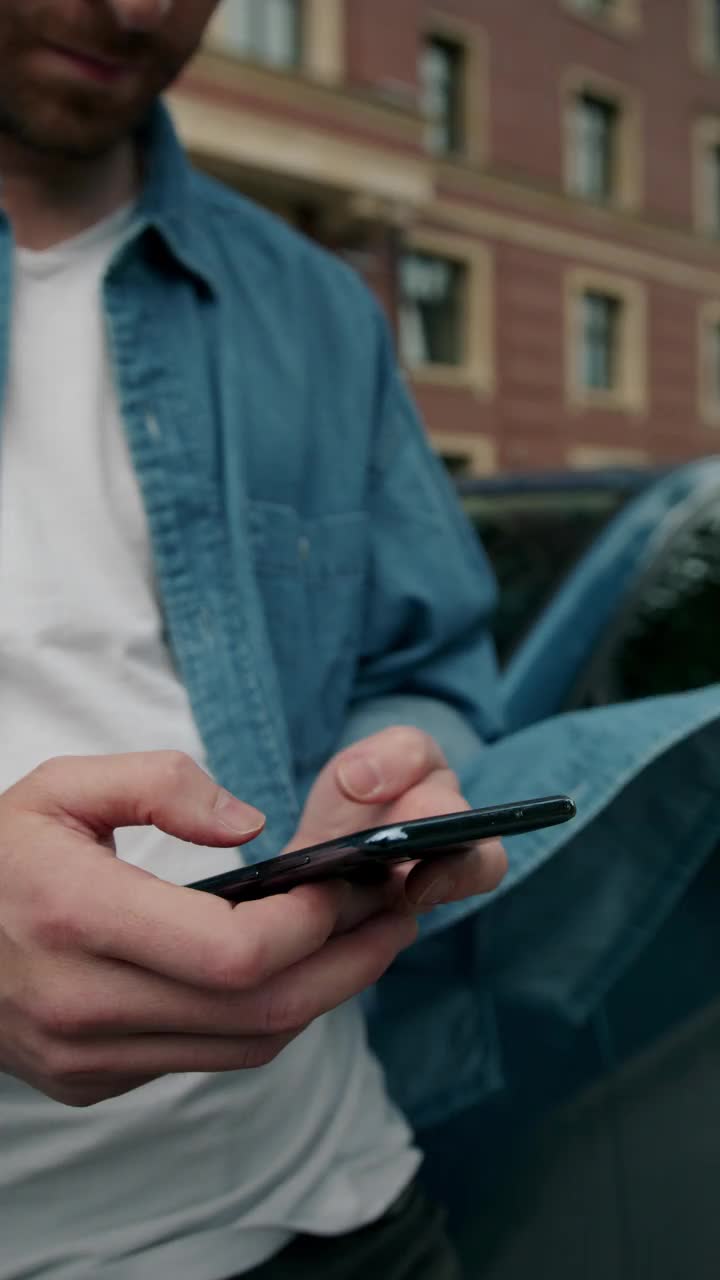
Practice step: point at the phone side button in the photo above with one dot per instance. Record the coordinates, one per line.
(249, 875)
(292, 861)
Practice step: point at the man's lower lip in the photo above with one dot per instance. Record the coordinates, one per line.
(88, 68)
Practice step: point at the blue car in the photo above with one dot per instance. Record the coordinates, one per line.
(602, 1159)
(609, 583)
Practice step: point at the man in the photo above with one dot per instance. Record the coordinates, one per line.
(113, 978)
(225, 554)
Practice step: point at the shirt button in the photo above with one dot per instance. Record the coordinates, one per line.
(303, 547)
(152, 426)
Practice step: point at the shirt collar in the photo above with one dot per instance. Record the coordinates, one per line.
(167, 199)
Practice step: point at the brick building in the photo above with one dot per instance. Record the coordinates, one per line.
(532, 187)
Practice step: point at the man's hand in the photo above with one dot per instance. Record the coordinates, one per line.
(110, 977)
(394, 776)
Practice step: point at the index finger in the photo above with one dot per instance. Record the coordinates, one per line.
(200, 939)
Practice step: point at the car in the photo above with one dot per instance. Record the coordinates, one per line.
(609, 583)
(601, 1156)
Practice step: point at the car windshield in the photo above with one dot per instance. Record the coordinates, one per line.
(533, 539)
(664, 637)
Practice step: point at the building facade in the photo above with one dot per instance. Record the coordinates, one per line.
(531, 187)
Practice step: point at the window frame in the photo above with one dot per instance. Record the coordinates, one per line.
(322, 41)
(477, 450)
(472, 39)
(458, 117)
(477, 368)
(628, 158)
(609, 108)
(607, 317)
(624, 17)
(452, 303)
(704, 46)
(705, 138)
(708, 386)
(630, 395)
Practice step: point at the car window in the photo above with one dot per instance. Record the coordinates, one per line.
(533, 540)
(666, 638)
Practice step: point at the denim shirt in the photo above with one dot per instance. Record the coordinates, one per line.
(318, 582)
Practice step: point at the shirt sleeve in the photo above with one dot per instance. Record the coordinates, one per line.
(427, 655)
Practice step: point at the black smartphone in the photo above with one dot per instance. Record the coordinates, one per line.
(365, 856)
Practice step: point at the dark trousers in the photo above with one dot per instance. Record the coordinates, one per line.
(408, 1243)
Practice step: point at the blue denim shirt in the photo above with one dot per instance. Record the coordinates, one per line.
(318, 582)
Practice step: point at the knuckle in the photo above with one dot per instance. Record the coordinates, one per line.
(382, 963)
(50, 772)
(283, 1012)
(67, 1010)
(70, 1022)
(57, 926)
(313, 911)
(261, 1052)
(178, 768)
(451, 778)
(64, 1066)
(414, 745)
(238, 966)
(58, 1019)
(397, 934)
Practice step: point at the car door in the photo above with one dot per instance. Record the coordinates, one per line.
(534, 532)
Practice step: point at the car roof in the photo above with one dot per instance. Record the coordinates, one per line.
(623, 479)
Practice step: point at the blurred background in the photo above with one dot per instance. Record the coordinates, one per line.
(531, 187)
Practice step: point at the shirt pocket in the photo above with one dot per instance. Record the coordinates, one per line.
(311, 577)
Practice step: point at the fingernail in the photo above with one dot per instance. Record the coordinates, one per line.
(437, 891)
(359, 777)
(238, 817)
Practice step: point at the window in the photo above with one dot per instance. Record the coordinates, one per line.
(267, 31)
(594, 147)
(606, 341)
(603, 151)
(709, 363)
(707, 31)
(431, 309)
(706, 166)
(598, 346)
(712, 189)
(713, 363)
(442, 79)
(600, 7)
(713, 25)
(445, 312)
(665, 640)
(621, 15)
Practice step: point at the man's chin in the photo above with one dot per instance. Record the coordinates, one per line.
(66, 133)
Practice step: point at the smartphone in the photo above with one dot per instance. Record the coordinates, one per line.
(364, 857)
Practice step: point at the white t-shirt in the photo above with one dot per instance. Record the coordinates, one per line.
(193, 1176)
